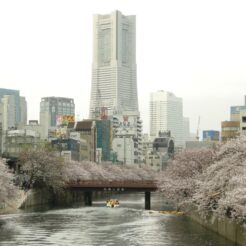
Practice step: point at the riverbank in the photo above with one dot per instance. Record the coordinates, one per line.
(12, 205)
(225, 227)
(43, 197)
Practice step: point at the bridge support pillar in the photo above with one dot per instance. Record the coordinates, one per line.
(88, 198)
(147, 200)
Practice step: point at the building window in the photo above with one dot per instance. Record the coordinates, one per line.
(232, 128)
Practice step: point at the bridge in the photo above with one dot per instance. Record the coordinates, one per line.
(88, 186)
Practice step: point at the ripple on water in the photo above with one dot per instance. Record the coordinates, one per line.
(103, 226)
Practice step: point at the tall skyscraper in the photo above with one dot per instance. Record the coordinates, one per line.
(166, 114)
(114, 85)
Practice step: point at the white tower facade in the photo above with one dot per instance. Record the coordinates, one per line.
(114, 84)
(166, 114)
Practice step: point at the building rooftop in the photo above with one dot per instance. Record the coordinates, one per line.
(84, 125)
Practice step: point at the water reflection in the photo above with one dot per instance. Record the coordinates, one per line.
(128, 224)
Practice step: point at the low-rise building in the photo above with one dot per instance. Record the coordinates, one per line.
(128, 125)
(195, 145)
(235, 111)
(158, 151)
(69, 148)
(211, 135)
(34, 126)
(87, 130)
(229, 130)
(123, 146)
(242, 120)
(16, 141)
(103, 139)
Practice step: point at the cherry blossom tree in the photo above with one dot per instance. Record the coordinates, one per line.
(85, 170)
(213, 180)
(179, 180)
(222, 187)
(9, 193)
(43, 167)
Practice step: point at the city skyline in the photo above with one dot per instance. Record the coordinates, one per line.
(195, 50)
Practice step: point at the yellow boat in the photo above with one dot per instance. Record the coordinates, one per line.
(112, 203)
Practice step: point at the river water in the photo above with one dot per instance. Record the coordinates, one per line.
(126, 225)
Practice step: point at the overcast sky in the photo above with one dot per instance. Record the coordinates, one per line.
(195, 49)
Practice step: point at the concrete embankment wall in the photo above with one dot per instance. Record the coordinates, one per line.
(46, 197)
(227, 228)
(40, 197)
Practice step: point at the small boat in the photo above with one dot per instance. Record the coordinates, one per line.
(112, 203)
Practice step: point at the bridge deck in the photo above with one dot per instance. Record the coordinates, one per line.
(141, 185)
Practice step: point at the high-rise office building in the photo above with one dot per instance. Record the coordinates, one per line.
(13, 108)
(53, 110)
(16, 94)
(166, 114)
(23, 109)
(8, 112)
(114, 85)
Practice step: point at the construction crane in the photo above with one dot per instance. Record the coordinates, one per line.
(198, 129)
